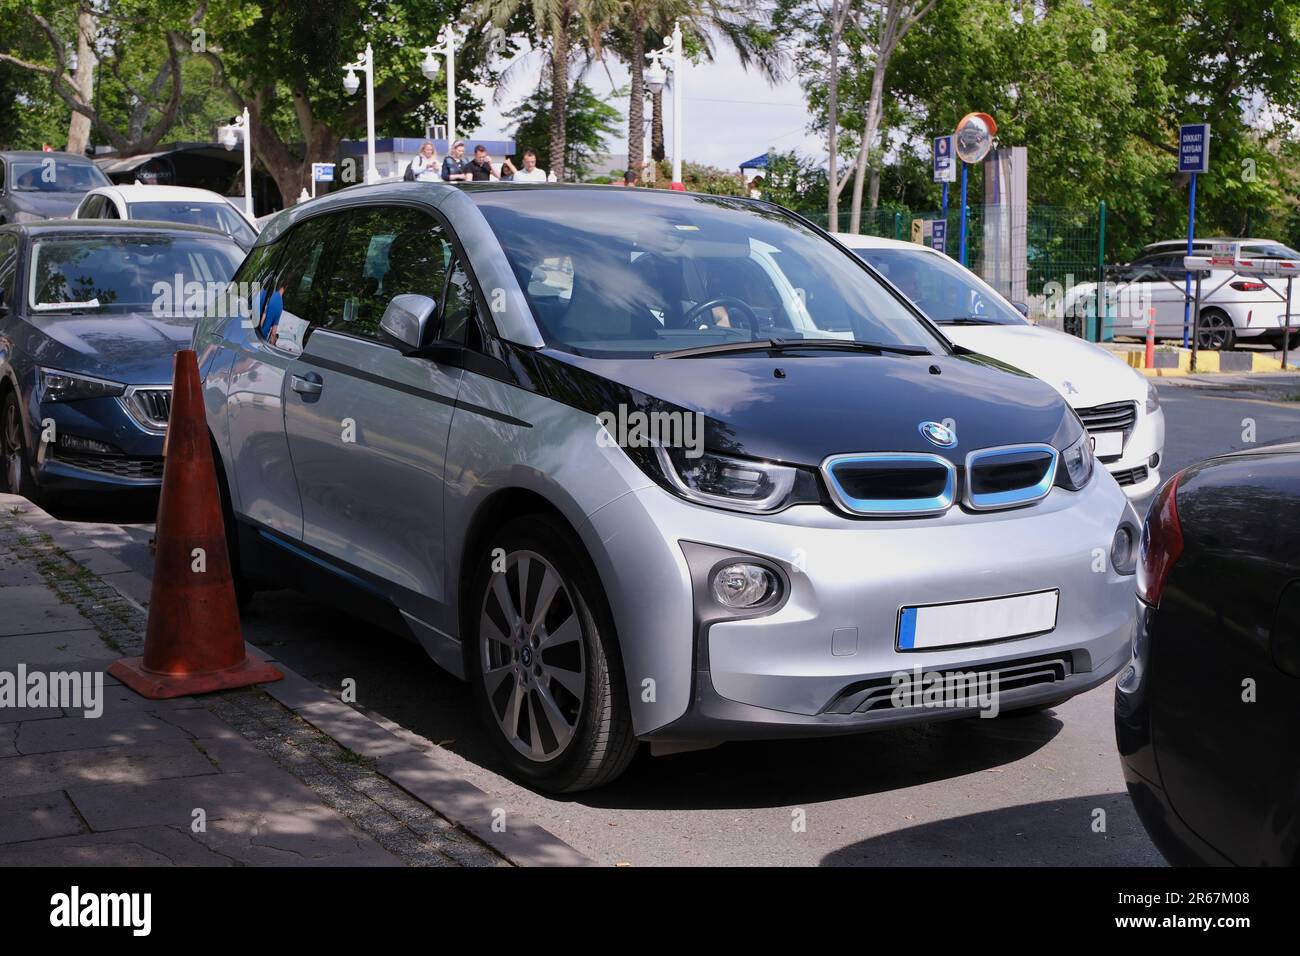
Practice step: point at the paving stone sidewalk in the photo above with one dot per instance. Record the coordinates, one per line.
(234, 778)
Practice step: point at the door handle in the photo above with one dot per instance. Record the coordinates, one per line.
(309, 384)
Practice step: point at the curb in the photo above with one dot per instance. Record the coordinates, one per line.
(411, 763)
(1174, 362)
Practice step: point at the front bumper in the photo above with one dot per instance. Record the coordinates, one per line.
(1133, 470)
(58, 466)
(795, 670)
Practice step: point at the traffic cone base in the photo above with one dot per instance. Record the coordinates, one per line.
(193, 643)
(159, 686)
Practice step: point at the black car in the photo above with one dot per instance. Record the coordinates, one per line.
(1207, 713)
(91, 313)
(36, 185)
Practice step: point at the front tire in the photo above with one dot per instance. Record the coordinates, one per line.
(543, 659)
(15, 457)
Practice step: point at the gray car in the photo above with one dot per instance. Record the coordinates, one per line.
(652, 466)
(39, 185)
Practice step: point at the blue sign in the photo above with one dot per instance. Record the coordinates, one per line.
(322, 172)
(1194, 148)
(945, 164)
(939, 234)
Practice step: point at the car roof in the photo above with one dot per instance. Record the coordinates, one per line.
(136, 192)
(41, 154)
(1202, 241)
(857, 241)
(56, 227)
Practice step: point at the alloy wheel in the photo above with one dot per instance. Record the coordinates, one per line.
(1214, 331)
(533, 656)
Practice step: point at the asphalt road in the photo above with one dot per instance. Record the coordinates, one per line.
(1009, 791)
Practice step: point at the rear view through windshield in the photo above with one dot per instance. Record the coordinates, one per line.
(120, 273)
(213, 215)
(51, 175)
(621, 273)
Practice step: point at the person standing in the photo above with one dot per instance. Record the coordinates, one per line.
(424, 167)
(530, 172)
(480, 167)
(454, 167)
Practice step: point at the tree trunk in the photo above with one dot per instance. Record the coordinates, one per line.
(636, 104)
(559, 94)
(657, 151)
(875, 107)
(83, 80)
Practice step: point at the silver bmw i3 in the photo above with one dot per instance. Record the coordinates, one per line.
(657, 467)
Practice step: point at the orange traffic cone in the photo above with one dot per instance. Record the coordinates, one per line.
(193, 644)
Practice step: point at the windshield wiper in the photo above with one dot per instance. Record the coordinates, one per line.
(791, 345)
(967, 320)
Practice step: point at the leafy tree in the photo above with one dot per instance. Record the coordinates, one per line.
(588, 126)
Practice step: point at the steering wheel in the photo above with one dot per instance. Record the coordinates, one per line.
(689, 319)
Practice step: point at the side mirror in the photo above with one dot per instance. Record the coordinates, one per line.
(406, 321)
(1022, 308)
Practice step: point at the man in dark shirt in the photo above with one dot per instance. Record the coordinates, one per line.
(454, 167)
(480, 167)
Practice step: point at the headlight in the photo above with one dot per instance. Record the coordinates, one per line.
(1077, 462)
(739, 483)
(1153, 398)
(66, 387)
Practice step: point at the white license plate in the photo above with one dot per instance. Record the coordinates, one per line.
(1106, 444)
(973, 622)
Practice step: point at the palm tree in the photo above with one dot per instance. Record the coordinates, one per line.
(642, 25)
(556, 23)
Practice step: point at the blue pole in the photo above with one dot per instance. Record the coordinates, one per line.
(963, 213)
(944, 214)
(1187, 277)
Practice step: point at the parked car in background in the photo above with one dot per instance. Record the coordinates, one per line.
(1207, 712)
(1234, 308)
(439, 420)
(36, 185)
(86, 344)
(1119, 407)
(183, 204)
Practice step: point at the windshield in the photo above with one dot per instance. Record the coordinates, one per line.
(942, 288)
(214, 215)
(125, 273)
(635, 274)
(55, 176)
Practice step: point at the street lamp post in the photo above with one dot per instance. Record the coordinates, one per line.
(366, 63)
(655, 79)
(230, 134)
(429, 68)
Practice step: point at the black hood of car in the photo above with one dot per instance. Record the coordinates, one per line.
(801, 409)
(51, 205)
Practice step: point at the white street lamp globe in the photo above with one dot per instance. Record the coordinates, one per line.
(656, 77)
(350, 83)
(429, 67)
(227, 137)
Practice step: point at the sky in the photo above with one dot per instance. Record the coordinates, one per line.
(729, 114)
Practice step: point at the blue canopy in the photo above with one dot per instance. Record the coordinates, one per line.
(758, 162)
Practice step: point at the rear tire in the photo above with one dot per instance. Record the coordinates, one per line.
(543, 659)
(1216, 332)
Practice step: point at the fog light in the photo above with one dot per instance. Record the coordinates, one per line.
(1122, 554)
(1154, 461)
(743, 585)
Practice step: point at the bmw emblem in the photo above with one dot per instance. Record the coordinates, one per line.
(938, 434)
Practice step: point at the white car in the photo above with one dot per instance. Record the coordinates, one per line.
(184, 204)
(1233, 307)
(1119, 407)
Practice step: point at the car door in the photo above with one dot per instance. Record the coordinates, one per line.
(368, 426)
(281, 275)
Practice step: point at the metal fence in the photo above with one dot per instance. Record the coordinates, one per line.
(1029, 254)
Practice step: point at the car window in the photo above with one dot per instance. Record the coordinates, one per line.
(382, 252)
(293, 299)
(91, 208)
(50, 175)
(213, 215)
(629, 274)
(106, 274)
(109, 210)
(1269, 250)
(941, 287)
(8, 269)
